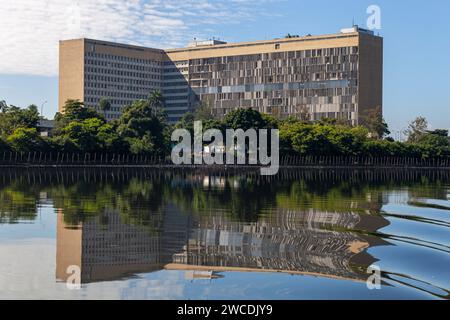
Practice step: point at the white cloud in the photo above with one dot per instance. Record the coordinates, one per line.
(31, 29)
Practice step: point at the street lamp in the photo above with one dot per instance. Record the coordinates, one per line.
(42, 108)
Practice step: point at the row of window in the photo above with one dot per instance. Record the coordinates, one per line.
(278, 79)
(250, 77)
(286, 63)
(175, 63)
(174, 112)
(176, 70)
(116, 65)
(299, 87)
(176, 98)
(114, 93)
(276, 56)
(172, 91)
(173, 77)
(283, 105)
(123, 58)
(142, 85)
(123, 73)
(114, 101)
(177, 105)
(175, 84)
(350, 97)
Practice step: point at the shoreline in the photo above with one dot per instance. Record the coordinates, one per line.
(215, 167)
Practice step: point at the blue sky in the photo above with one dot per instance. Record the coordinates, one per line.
(416, 35)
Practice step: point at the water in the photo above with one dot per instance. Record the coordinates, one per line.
(136, 234)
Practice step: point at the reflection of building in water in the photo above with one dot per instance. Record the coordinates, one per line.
(201, 274)
(293, 242)
(297, 242)
(106, 248)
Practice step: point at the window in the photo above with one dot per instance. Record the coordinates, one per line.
(277, 46)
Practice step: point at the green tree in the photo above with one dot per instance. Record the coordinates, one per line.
(83, 134)
(186, 122)
(436, 141)
(62, 143)
(142, 145)
(142, 125)
(245, 119)
(109, 139)
(25, 140)
(12, 118)
(75, 110)
(440, 132)
(89, 135)
(270, 121)
(321, 138)
(188, 119)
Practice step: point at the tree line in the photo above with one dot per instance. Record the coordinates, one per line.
(143, 129)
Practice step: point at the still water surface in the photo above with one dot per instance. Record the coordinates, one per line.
(178, 235)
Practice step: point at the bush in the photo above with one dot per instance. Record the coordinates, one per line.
(321, 138)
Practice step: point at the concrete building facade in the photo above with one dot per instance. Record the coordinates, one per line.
(331, 76)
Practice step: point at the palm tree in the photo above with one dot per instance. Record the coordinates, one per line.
(156, 99)
(104, 105)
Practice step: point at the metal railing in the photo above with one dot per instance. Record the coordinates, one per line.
(119, 159)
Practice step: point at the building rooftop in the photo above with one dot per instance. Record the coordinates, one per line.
(259, 42)
(203, 44)
(357, 29)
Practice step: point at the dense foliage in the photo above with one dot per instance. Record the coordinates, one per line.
(143, 129)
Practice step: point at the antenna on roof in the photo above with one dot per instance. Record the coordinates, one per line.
(353, 21)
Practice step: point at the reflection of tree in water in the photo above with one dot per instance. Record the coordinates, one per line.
(137, 201)
(431, 189)
(139, 197)
(18, 202)
(241, 199)
(329, 195)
